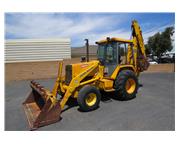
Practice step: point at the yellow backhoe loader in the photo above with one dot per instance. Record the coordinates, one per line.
(118, 65)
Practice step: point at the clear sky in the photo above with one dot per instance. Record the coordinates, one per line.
(78, 26)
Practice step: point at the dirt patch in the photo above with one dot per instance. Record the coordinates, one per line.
(161, 68)
(34, 70)
(42, 70)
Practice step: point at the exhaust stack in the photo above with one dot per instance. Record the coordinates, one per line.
(87, 50)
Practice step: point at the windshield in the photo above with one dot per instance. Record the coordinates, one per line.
(108, 52)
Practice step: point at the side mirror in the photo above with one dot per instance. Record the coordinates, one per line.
(83, 59)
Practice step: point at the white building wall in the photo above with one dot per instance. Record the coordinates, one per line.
(30, 50)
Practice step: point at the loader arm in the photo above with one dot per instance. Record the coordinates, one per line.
(58, 83)
(76, 82)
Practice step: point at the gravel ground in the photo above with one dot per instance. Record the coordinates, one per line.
(152, 109)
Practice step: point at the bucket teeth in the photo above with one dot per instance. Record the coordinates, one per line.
(32, 82)
(38, 88)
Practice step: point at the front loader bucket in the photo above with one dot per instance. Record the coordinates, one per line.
(39, 108)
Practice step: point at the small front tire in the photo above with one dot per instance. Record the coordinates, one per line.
(89, 98)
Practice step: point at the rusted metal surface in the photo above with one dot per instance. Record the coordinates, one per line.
(142, 63)
(39, 109)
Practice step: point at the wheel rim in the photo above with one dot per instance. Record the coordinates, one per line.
(91, 99)
(130, 85)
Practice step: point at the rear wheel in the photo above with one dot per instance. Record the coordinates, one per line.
(126, 85)
(89, 98)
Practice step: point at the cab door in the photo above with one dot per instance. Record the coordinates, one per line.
(111, 58)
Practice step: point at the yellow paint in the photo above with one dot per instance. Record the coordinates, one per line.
(91, 99)
(79, 67)
(106, 84)
(114, 39)
(119, 68)
(130, 85)
(75, 94)
(76, 81)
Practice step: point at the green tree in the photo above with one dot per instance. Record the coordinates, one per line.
(161, 42)
(147, 49)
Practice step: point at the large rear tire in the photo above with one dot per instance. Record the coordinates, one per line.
(89, 98)
(126, 85)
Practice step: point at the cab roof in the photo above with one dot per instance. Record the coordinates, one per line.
(114, 40)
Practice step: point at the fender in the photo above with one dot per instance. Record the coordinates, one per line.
(122, 67)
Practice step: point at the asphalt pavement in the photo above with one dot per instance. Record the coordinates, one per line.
(152, 109)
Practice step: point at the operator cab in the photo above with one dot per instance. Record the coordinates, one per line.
(112, 52)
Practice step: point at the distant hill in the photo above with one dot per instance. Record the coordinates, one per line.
(81, 51)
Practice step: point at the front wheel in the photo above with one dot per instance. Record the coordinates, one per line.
(89, 98)
(126, 85)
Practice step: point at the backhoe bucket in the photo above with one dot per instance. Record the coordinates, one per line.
(40, 109)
